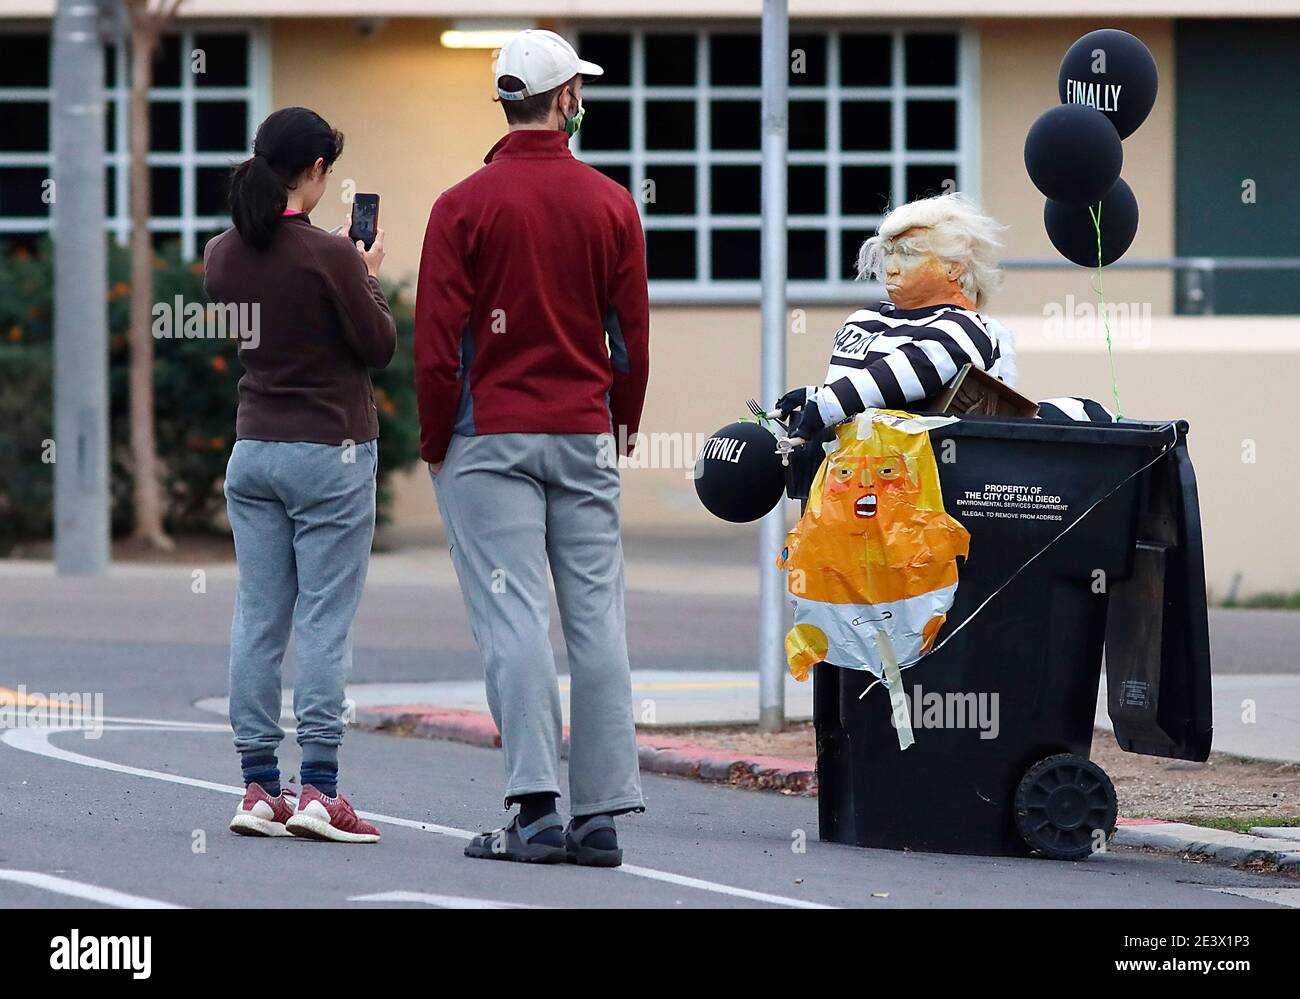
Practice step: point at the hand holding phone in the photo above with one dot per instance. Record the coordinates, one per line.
(365, 219)
(373, 257)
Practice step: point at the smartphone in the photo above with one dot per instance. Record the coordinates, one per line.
(365, 218)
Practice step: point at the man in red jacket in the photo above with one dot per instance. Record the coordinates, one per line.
(531, 360)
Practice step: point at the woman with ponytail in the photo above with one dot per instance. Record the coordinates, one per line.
(300, 484)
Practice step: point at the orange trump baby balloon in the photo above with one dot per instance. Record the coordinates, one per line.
(873, 561)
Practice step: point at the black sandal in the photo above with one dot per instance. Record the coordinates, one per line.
(590, 856)
(513, 842)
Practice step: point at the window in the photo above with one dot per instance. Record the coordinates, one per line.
(25, 138)
(877, 117)
(204, 106)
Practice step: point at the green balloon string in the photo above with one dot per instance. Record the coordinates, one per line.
(1099, 288)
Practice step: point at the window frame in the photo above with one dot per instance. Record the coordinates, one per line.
(44, 160)
(835, 289)
(188, 225)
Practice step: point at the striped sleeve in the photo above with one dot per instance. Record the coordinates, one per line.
(1074, 410)
(969, 334)
(930, 357)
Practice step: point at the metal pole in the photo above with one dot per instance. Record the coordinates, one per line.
(1208, 284)
(81, 524)
(771, 595)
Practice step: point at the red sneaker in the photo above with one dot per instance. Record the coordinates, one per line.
(319, 817)
(261, 815)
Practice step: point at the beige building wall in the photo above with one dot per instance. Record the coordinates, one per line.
(417, 117)
(435, 121)
(1231, 380)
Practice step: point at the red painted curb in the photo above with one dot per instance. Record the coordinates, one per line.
(658, 753)
(452, 724)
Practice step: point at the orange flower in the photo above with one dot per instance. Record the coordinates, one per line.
(119, 290)
(15, 333)
(35, 312)
(117, 341)
(218, 363)
(197, 267)
(218, 443)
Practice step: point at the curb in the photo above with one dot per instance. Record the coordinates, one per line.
(659, 754)
(452, 724)
(1217, 844)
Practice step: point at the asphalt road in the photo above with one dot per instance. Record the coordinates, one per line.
(143, 810)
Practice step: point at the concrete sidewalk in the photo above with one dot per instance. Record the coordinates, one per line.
(660, 698)
(1254, 716)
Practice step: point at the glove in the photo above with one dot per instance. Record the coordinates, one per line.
(793, 400)
(810, 422)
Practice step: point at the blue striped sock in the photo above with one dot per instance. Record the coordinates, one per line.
(262, 769)
(321, 775)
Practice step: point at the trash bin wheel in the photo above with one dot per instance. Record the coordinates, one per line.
(1060, 803)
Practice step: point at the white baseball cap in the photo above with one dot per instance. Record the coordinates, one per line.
(543, 60)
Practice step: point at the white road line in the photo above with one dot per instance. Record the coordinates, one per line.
(441, 901)
(1290, 897)
(185, 726)
(81, 890)
(37, 740)
(685, 882)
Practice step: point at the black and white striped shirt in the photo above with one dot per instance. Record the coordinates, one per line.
(885, 357)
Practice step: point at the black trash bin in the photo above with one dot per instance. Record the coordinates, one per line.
(1128, 578)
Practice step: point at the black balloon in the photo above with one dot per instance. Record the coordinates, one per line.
(1073, 233)
(1113, 72)
(1073, 154)
(738, 474)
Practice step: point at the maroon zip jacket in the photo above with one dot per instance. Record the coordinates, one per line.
(531, 312)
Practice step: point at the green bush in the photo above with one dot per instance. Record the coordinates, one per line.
(195, 399)
(26, 399)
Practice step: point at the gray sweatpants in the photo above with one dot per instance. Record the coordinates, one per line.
(511, 503)
(303, 516)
